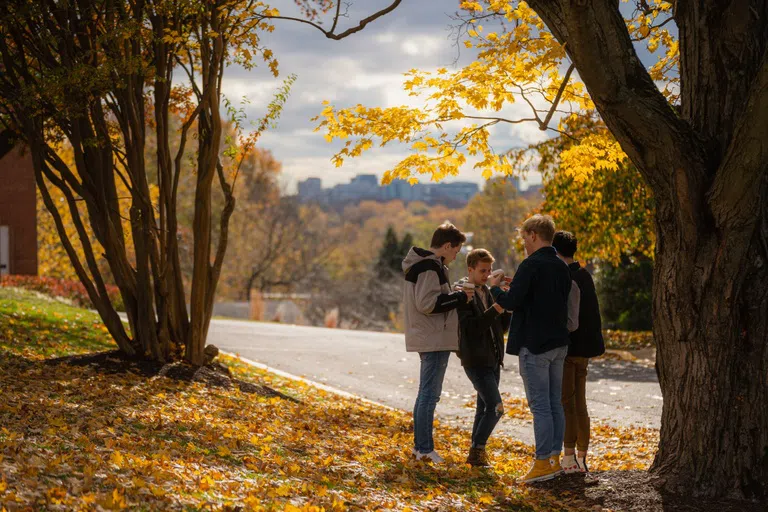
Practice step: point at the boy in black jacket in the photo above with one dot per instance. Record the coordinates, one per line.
(586, 342)
(538, 334)
(482, 325)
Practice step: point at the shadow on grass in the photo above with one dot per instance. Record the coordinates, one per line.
(634, 491)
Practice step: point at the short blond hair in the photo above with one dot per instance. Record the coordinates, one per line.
(542, 225)
(475, 256)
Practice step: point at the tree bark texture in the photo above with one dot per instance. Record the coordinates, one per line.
(708, 169)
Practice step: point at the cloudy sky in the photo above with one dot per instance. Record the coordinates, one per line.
(365, 68)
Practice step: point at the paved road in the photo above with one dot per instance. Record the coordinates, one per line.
(375, 366)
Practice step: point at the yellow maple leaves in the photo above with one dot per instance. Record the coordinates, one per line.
(520, 63)
(117, 459)
(595, 151)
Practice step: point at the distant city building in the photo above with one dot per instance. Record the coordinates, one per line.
(366, 187)
(534, 191)
(311, 188)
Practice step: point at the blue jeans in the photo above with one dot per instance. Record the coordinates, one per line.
(489, 406)
(433, 366)
(543, 379)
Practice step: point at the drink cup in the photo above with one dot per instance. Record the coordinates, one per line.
(468, 288)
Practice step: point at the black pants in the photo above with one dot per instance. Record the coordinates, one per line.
(489, 406)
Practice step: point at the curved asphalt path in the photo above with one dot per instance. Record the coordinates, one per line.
(376, 366)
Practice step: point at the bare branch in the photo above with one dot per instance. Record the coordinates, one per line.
(500, 119)
(329, 33)
(567, 77)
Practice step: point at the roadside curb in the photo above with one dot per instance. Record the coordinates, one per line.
(309, 382)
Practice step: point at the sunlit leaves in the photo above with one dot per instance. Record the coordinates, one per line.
(591, 189)
(450, 130)
(595, 151)
(517, 62)
(651, 26)
(72, 437)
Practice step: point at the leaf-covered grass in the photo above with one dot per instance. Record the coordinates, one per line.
(37, 326)
(74, 438)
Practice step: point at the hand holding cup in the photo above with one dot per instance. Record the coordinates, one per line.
(469, 289)
(495, 278)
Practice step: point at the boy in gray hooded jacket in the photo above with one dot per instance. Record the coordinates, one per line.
(431, 326)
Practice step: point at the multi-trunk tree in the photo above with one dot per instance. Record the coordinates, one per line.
(695, 125)
(95, 77)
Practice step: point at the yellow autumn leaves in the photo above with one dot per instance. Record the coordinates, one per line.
(74, 438)
(521, 63)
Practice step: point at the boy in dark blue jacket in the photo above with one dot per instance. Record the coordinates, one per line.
(538, 299)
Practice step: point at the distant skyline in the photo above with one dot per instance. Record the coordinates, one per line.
(524, 185)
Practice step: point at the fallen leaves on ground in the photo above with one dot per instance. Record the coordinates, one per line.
(514, 407)
(73, 438)
(627, 340)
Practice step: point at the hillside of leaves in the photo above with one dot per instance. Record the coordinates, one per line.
(77, 438)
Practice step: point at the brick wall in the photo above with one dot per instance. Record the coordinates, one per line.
(18, 209)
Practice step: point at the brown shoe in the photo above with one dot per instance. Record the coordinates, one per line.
(477, 457)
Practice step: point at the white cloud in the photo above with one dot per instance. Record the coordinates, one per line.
(386, 37)
(423, 45)
(258, 91)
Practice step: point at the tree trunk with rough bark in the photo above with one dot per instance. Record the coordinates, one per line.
(708, 169)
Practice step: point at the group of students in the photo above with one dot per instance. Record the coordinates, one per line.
(550, 311)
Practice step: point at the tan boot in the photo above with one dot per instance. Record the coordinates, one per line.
(555, 462)
(478, 457)
(541, 470)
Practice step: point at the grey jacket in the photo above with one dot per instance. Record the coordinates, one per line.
(574, 301)
(431, 320)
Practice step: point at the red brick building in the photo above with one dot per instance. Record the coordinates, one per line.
(18, 210)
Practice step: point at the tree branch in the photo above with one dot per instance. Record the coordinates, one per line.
(329, 33)
(498, 119)
(567, 77)
(670, 155)
(737, 184)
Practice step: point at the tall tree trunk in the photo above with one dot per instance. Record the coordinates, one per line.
(709, 174)
(209, 143)
(711, 326)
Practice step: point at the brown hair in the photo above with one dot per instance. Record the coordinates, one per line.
(565, 243)
(475, 256)
(542, 225)
(447, 233)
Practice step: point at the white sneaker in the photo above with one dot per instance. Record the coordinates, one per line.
(570, 465)
(432, 456)
(582, 462)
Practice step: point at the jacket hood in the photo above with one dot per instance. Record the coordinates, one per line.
(416, 255)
